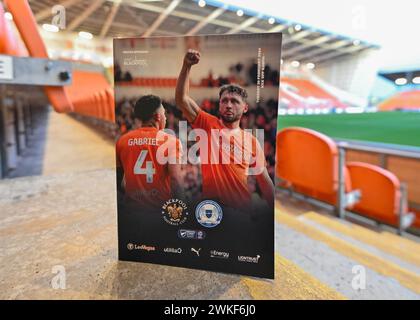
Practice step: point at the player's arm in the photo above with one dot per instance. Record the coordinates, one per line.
(267, 187)
(176, 179)
(188, 106)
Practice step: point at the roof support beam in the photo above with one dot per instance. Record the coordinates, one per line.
(185, 15)
(312, 53)
(167, 11)
(248, 22)
(335, 54)
(47, 11)
(109, 19)
(204, 22)
(79, 20)
(306, 44)
(278, 28)
(296, 36)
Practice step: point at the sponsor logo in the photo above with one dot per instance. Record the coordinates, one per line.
(208, 213)
(174, 212)
(131, 246)
(191, 234)
(172, 250)
(196, 251)
(249, 259)
(219, 254)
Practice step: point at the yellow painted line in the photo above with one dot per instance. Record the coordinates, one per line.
(405, 277)
(291, 283)
(395, 246)
(403, 243)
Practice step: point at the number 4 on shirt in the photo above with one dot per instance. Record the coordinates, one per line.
(149, 171)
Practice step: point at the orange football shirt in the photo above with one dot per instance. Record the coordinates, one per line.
(226, 166)
(147, 180)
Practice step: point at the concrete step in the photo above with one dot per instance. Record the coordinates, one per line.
(387, 268)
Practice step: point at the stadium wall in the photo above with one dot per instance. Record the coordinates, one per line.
(355, 74)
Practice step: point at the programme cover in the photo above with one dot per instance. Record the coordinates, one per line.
(197, 121)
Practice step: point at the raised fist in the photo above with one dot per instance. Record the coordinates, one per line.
(192, 57)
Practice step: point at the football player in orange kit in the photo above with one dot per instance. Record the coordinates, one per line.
(145, 178)
(225, 182)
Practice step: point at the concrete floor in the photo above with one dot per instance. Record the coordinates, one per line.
(67, 217)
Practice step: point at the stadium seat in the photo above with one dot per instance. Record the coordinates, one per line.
(307, 161)
(403, 100)
(10, 44)
(89, 94)
(309, 94)
(381, 196)
(28, 29)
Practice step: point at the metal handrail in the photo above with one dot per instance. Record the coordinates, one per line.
(381, 148)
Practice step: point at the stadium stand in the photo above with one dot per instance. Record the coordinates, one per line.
(307, 94)
(408, 100)
(314, 250)
(307, 162)
(90, 93)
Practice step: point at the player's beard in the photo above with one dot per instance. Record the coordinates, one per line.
(231, 118)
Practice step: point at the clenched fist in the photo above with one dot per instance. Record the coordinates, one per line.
(192, 57)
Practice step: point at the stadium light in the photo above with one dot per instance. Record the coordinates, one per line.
(310, 65)
(8, 16)
(50, 27)
(400, 81)
(85, 35)
(202, 3)
(416, 80)
(298, 27)
(240, 13)
(295, 64)
(271, 20)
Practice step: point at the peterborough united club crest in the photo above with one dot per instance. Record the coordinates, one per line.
(208, 213)
(174, 212)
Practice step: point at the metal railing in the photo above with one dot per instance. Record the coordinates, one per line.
(345, 199)
(383, 150)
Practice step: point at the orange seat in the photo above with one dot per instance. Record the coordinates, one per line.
(308, 161)
(10, 44)
(380, 189)
(89, 92)
(28, 29)
(402, 100)
(307, 89)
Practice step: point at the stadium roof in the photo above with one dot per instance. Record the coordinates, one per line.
(117, 18)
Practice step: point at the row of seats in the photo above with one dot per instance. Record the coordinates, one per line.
(302, 93)
(307, 161)
(89, 94)
(402, 100)
(150, 82)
